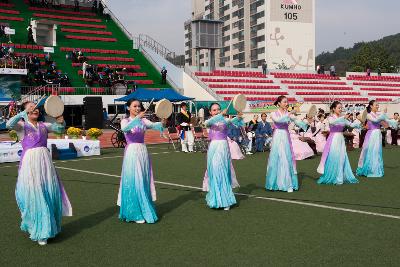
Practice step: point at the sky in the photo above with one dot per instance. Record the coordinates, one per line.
(338, 22)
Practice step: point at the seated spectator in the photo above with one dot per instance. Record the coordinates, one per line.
(263, 133)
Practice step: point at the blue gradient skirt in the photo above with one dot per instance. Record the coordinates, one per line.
(137, 191)
(370, 163)
(337, 169)
(40, 195)
(220, 176)
(281, 171)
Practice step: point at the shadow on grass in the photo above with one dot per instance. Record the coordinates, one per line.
(75, 227)
(167, 207)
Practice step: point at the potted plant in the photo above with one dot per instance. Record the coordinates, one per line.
(13, 135)
(73, 132)
(94, 133)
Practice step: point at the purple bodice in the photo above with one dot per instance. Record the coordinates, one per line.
(373, 125)
(136, 135)
(34, 138)
(218, 131)
(281, 125)
(336, 128)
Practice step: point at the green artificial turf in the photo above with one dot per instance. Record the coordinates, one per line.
(59, 57)
(257, 232)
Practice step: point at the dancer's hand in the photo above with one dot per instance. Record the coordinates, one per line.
(141, 114)
(60, 119)
(224, 112)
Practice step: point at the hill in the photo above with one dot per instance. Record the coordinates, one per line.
(348, 59)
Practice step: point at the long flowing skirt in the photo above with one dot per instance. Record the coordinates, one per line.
(320, 141)
(234, 148)
(281, 171)
(137, 191)
(220, 177)
(336, 169)
(301, 149)
(370, 163)
(40, 195)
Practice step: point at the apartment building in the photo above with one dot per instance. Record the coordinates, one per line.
(254, 31)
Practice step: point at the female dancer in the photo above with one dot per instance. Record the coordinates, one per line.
(220, 176)
(370, 163)
(281, 170)
(319, 137)
(334, 166)
(40, 194)
(137, 191)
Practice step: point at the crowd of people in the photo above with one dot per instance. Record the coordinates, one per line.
(137, 192)
(104, 76)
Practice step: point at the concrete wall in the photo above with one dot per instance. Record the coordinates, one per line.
(193, 89)
(291, 40)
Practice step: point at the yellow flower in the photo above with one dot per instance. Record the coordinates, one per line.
(94, 132)
(72, 131)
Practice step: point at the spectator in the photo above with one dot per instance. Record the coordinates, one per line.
(264, 68)
(251, 134)
(394, 132)
(379, 72)
(84, 67)
(101, 8)
(30, 35)
(76, 5)
(94, 6)
(164, 75)
(263, 133)
(333, 71)
(318, 69)
(105, 115)
(368, 72)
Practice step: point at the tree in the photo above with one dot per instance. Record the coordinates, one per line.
(372, 56)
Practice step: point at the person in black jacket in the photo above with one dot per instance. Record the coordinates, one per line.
(164, 75)
(184, 127)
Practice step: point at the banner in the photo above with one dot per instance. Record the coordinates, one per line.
(261, 106)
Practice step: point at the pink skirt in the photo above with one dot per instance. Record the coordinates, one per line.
(236, 153)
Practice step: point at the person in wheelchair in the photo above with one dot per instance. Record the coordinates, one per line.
(263, 134)
(252, 126)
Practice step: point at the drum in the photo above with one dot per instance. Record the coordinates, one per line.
(54, 106)
(239, 102)
(312, 112)
(163, 109)
(364, 116)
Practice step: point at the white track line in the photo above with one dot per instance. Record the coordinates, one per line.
(83, 159)
(256, 197)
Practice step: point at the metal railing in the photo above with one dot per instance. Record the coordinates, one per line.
(170, 81)
(189, 72)
(144, 40)
(116, 20)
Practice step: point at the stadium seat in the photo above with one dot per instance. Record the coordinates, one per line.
(49, 16)
(85, 31)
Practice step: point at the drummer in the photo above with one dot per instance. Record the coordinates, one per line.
(184, 127)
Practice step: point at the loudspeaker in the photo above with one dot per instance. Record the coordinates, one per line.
(93, 111)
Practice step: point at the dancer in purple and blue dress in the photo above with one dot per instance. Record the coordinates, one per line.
(40, 194)
(137, 191)
(370, 163)
(281, 170)
(335, 166)
(220, 177)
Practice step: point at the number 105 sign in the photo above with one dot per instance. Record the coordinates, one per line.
(292, 10)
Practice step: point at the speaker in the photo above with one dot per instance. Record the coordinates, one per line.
(93, 111)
